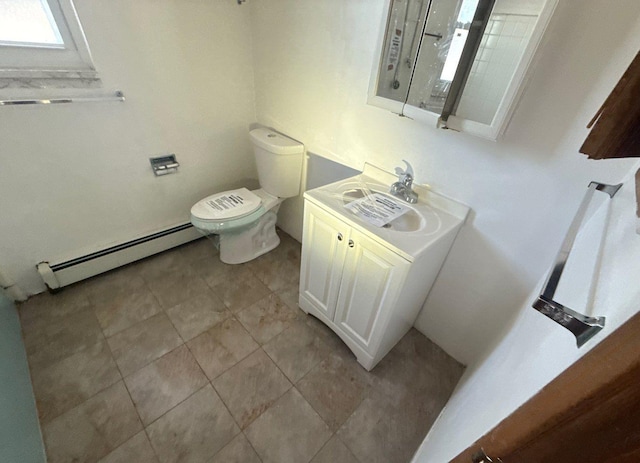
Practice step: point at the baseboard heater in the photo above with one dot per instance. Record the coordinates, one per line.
(58, 275)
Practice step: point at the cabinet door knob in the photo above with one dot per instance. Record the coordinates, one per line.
(351, 243)
(339, 236)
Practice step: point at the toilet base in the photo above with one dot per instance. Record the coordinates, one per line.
(252, 242)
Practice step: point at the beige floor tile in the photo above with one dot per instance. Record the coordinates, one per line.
(144, 342)
(250, 387)
(267, 318)
(297, 350)
(161, 265)
(61, 338)
(334, 451)
(240, 290)
(196, 315)
(45, 308)
(335, 388)
(202, 248)
(280, 268)
(417, 367)
(289, 432)
(221, 347)
(176, 287)
(164, 383)
(104, 287)
(394, 429)
(290, 296)
(94, 428)
(124, 309)
(194, 431)
(86, 415)
(213, 271)
(135, 450)
(328, 336)
(239, 450)
(276, 274)
(72, 380)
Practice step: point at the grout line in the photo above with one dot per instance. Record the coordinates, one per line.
(347, 447)
(274, 401)
(239, 360)
(323, 445)
(145, 284)
(176, 405)
(50, 420)
(251, 445)
(228, 411)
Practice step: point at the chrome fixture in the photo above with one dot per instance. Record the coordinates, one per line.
(118, 96)
(164, 165)
(481, 457)
(582, 326)
(403, 187)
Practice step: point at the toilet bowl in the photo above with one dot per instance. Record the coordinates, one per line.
(245, 220)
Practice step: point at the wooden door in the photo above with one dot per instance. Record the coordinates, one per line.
(323, 252)
(372, 277)
(590, 413)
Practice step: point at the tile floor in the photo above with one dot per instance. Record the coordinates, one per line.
(181, 358)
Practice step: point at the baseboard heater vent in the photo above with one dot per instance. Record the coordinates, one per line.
(58, 275)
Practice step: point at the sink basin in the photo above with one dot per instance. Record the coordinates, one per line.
(410, 221)
(431, 218)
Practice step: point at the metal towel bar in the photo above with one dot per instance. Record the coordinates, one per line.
(582, 326)
(118, 96)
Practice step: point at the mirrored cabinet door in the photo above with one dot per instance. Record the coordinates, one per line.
(444, 38)
(402, 42)
(457, 64)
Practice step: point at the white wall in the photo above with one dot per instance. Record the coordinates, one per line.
(312, 68)
(536, 350)
(76, 177)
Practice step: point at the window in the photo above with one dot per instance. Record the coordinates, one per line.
(42, 39)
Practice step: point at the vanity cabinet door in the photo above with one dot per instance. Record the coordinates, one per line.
(372, 278)
(324, 248)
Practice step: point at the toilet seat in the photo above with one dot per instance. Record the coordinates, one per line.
(231, 204)
(231, 209)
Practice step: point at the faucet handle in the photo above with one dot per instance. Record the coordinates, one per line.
(403, 175)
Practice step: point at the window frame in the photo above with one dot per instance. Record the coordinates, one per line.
(72, 60)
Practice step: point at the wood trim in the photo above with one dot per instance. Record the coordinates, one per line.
(615, 129)
(603, 382)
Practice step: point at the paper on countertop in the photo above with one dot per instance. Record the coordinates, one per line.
(377, 209)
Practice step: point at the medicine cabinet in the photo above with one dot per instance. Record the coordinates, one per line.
(457, 64)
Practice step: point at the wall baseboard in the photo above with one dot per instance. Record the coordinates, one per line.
(60, 274)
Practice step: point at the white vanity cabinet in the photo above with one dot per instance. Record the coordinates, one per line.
(365, 291)
(369, 283)
(348, 281)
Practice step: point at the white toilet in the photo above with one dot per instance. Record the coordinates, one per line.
(245, 220)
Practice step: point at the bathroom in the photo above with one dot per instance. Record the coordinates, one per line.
(198, 75)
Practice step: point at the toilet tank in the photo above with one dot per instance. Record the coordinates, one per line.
(279, 162)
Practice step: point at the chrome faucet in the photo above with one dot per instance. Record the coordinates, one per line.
(403, 187)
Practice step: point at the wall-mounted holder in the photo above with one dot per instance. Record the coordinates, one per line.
(582, 326)
(117, 96)
(163, 165)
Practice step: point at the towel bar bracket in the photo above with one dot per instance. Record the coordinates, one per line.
(582, 327)
(611, 190)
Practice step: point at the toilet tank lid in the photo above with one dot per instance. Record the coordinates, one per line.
(275, 142)
(226, 205)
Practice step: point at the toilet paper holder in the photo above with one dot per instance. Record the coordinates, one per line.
(163, 165)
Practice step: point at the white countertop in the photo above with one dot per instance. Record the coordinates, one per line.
(441, 215)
